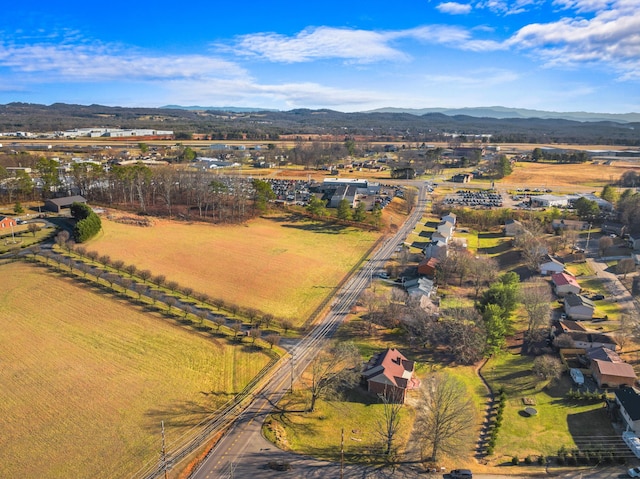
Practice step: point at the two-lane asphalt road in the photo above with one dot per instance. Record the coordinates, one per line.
(242, 452)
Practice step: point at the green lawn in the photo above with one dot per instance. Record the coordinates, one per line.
(580, 269)
(319, 433)
(558, 422)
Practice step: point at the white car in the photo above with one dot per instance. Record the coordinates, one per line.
(634, 472)
(577, 376)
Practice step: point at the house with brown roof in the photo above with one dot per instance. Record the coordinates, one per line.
(565, 283)
(609, 374)
(390, 374)
(427, 266)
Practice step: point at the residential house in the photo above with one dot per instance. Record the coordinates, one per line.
(446, 229)
(612, 375)
(7, 222)
(590, 339)
(565, 283)
(419, 286)
(513, 228)
(628, 400)
(603, 354)
(58, 204)
(436, 249)
(390, 374)
(427, 267)
(450, 217)
(569, 225)
(577, 306)
(549, 265)
(634, 241)
(566, 326)
(438, 236)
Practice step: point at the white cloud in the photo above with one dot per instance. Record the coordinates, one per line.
(610, 37)
(320, 43)
(102, 62)
(454, 8)
(507, 7)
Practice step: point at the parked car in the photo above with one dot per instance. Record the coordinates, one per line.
(577, 376)
(634, 472)
(461, 474)
(597, 297)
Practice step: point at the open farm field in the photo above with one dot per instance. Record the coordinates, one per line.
(87, 379)
(280, 265)
(565, 177)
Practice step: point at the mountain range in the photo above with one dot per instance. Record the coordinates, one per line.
(498, 112)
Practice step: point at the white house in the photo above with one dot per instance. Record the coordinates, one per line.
(628, 400)
(550, 265)
(577, 306)
(565, 283)
(450, 217)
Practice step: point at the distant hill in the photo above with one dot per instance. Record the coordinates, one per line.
(501, 112)
(232, 109)
(265, 125)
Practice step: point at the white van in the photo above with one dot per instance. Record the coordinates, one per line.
(576, 376)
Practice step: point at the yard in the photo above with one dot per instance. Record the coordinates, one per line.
(558, 422)
(87, 378)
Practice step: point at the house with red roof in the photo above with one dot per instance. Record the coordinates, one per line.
(390, 374)
(565, 283)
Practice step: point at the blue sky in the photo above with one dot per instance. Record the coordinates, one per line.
(557, 55)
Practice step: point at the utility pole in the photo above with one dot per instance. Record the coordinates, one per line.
(293, 366)
(342, 454)
(164, 453)
(586, 248)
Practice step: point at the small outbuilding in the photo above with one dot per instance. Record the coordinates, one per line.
(58, 204)
(7, 222)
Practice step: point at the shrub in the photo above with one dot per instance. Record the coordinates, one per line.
(527, 460)
(515, 461)
(541, 460)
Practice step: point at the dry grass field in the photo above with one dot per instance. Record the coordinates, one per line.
(568, 178)
(279, 265)
(87, 379)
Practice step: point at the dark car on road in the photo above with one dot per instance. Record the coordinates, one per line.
(461, 474)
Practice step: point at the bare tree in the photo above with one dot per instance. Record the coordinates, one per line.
(535, 295)
(333, 370)
(254, 333)
(131, 269)
(159, 280)
(547, 367)
(144, 274)
(172, 285)
(286, 325)
(604, 244)
(482, 270)
(389, 424)
(272, 339)
(118, 265)
(410, 198)
(625, 266)
(104, 260)
(444, 413)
